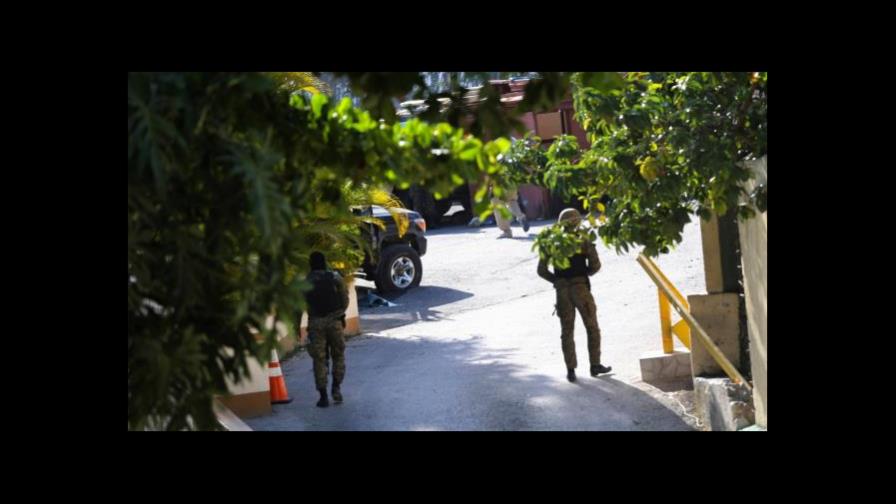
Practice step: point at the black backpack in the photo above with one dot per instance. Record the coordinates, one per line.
(324, 298)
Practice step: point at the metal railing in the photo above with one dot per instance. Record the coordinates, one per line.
(668, 294)
(680, 328)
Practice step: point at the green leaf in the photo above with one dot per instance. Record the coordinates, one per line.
(482, 209)
(317, 103)
(344, 106)
(502, 144)
(481, 160)
(480, 193)
(469, 151)
(424, 136)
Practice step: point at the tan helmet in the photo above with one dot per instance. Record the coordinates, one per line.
(570, 214)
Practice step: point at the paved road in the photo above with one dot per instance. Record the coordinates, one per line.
(476, 347)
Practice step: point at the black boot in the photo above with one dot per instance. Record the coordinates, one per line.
(596, 369)
(324, 402)
(337, 394)
(571, 375)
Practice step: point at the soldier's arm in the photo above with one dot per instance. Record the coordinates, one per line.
(343, 292)
(543, 271)
(593, 259)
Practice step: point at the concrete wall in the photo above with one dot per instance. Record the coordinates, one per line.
(574, 128)
(537, 201)
(252, 396)
(549, 125)
(229, 420)
(528, 120)
(754, 252)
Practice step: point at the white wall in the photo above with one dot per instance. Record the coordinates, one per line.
(257, 382)
(754, 252)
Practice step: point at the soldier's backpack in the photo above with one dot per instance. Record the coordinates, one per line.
(324, 298)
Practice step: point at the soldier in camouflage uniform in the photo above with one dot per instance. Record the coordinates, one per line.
(574, 293)
(327, 303)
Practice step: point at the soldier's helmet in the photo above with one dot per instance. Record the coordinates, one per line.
(570, 217)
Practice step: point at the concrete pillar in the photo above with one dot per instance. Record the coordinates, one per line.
(720, 238)
(718, 315)
(352, 318)
(718, 312)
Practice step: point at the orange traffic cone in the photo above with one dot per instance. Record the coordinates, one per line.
(278, 384)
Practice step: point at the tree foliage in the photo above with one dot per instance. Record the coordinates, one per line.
(233, 180)
(525, 161)
(557, 243)
(488, 118)
(663, 146)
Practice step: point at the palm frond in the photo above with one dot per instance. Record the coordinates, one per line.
(363, 195)
(301, 81)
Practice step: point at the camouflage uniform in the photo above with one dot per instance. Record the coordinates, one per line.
(574, 293)
(325, 340)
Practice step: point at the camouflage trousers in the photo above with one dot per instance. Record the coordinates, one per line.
(325, 341)
(575, 294)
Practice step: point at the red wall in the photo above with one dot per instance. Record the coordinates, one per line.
(537, 200)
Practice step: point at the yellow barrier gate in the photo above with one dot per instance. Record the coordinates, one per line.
(668, 294)
(680, 328)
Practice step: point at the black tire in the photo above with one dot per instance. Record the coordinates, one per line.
(384, 275)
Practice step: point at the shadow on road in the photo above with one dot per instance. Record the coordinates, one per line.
(420, 384)
(413, 306)
(428, 295)
(463, 229)
(453, 230)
